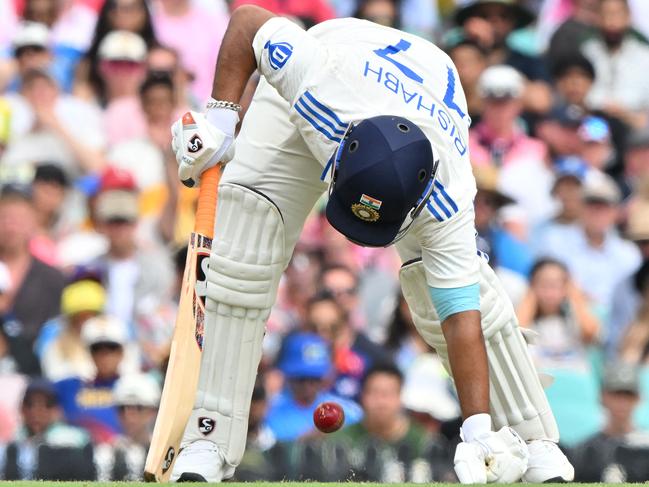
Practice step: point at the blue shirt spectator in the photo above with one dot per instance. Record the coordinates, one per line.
(305, 362)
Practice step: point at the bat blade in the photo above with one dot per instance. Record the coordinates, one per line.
(181, 380)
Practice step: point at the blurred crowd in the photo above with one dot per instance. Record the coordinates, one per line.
(94, 224)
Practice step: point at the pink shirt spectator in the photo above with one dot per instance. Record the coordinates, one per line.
(486, 149)
(124, 120)
(317, 10)
(197, 37)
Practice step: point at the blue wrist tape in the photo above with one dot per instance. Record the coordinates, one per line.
(453, 300)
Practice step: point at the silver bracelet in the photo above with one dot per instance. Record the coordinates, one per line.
(223, 104)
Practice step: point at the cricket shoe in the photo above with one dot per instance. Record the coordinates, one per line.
(547, 463)
(201, 461)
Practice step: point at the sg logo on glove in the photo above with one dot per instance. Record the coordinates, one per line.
(194, 144)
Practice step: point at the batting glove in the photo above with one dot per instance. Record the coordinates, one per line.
(201, 141)
(500, 457)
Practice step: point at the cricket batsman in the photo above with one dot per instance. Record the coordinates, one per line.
(379, 117)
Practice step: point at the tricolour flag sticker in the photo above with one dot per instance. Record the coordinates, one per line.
(371, 202)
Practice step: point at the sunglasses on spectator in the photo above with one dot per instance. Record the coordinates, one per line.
(119, 221)
(121, 65)
(345, 291)
(31, 403)
(126, 6)
(494, 13)
(29, 50)
(105, 346)
(137, 407)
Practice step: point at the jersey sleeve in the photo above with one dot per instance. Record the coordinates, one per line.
(285, 53)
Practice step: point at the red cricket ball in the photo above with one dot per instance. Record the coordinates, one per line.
(328, 417)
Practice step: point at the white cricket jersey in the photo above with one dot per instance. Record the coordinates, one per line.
(347, 70)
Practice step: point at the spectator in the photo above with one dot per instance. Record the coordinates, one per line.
(122, 56)
(595, 458)
(597, 150)
(569, 175)
(635, 343)
(559, 129)
(128, 15)
(595, 254)
(428, 394)
(136, 397)
(352, 352)
(50, 188)
(43, 434)
(91, 403)
(16, 354)
(557, 310)
(149, 157)
(163, 60)
(128, 265)
(577, 29)
(636, 162)
(46, 126)
(498, 140)
(63, 353)
(627, 299)
(342, 283)
(305, 363)
(383, 12)
(403, 341)
(470, 59)
(173, 19)
(386, 446)
(506, 251)
(70, 23)
(308, 13)
(490, 22)
(35, 294)
(621, 62)
(573, 76)
(31, 51)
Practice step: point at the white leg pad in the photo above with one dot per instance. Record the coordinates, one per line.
(516, 394)
(245, 266)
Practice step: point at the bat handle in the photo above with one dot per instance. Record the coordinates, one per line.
(206, 208)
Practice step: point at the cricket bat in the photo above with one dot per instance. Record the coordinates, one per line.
(181, 380)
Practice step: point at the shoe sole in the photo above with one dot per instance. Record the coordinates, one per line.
(555, 480)
(191, 477)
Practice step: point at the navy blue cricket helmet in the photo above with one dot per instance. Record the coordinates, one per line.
(383, 176)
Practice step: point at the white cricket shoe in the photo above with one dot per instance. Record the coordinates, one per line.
(201, 461)
(547, 463)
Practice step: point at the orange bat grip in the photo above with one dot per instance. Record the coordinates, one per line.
(206, 208)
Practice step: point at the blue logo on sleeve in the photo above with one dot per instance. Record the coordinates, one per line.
(278, 54)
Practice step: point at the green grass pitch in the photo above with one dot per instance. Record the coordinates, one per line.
(262, 484)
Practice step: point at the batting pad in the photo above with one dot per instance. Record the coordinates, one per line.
(516, 394)
(245, 265)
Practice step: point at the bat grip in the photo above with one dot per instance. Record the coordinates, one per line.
(206, 208)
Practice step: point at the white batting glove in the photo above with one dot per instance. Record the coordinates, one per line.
(500, 457)
(201, 141)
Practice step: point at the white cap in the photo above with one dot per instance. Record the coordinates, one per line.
(31, 34)
(122, 45)
(599, 186)
(104, 329)
(426, 389)
(137, 390)
(501, 81)
(5, 278)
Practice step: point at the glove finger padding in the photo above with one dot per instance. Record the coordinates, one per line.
(198, 145)
(496, 457)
